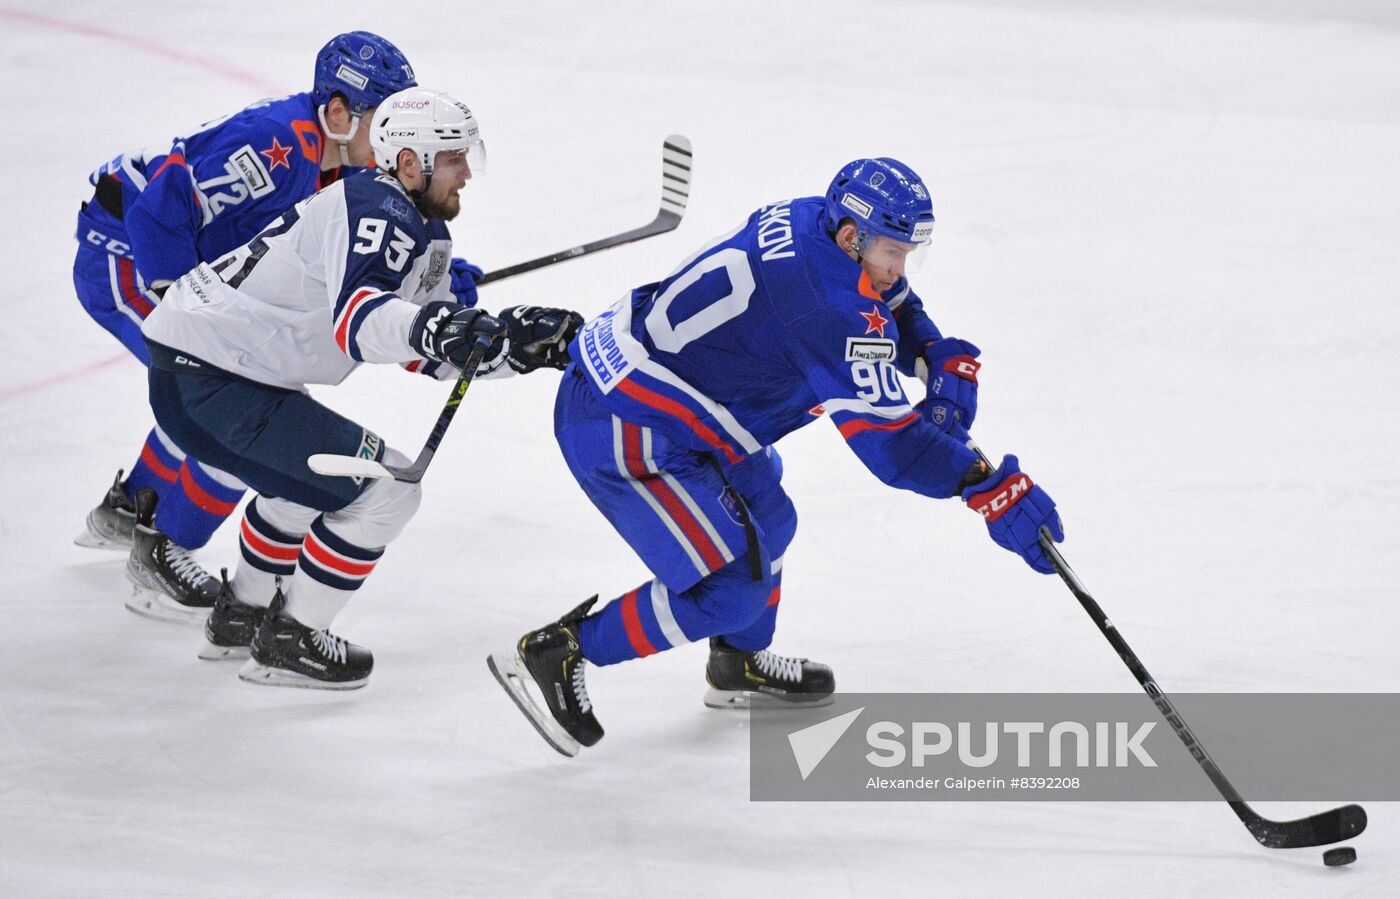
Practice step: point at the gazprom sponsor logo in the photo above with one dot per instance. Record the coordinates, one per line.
(605, 358)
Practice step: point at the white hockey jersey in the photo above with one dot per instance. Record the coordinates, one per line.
(336, 281)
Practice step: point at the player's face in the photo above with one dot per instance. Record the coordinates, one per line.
(451, 172)
(886, 261)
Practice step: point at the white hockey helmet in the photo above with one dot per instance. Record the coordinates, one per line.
(426, 122)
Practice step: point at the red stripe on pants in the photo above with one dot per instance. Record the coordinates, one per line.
(632, 622)
(694, 532)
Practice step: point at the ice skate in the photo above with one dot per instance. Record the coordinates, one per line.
(287, 653)
(110, 525)
(740, 680)
(229, 629)
(550, 661)
(167, 583)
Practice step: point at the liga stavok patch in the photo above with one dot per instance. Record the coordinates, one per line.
(869, 349)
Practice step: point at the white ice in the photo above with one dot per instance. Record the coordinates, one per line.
(1173, 229)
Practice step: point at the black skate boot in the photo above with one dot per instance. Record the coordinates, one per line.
(167, 583)
(109, 526)
(229, 629)
(740, 679)
(287, 653)
(550, 659)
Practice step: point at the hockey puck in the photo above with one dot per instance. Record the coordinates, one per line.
(1342, 855)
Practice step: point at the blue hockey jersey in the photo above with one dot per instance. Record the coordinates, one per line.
(762, 331)
(210, 192)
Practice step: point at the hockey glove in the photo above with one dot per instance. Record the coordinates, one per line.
(949, 369)
(539, 336)
(464, 278)
(1014, 509)
(445, 332)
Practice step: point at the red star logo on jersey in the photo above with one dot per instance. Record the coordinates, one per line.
(277, 156)
(874, 321)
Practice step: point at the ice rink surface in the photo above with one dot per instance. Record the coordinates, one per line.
(1172, 228)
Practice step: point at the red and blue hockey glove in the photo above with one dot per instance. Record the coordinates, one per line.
(1015, 509)
(464, 278)
(951, 380)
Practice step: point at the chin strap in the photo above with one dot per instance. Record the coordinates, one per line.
(343, 140)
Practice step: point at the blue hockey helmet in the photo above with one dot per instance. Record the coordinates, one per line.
(363, 67)
(884, 198)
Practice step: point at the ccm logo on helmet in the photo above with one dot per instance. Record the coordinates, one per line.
(991, 506)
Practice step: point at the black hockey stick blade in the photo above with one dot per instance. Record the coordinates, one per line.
(355, 467)
(675, 192)
(1332, 826)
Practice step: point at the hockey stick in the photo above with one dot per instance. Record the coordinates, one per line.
(675, 190)
(1332, 826)
(355, 467)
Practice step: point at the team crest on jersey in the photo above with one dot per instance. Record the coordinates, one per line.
(277, 155)
(874, 321)
(399, 209)
(869, 349)
(437, 267)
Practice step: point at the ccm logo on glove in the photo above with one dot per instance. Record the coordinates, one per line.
(993, 504)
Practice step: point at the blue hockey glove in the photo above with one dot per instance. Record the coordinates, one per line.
(539, 336)
(464, 278)
(1014, 509)
(446, 332)
(952, 382)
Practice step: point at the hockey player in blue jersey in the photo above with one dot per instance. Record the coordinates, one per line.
(356, 273)
(155, 214)
(668, 414)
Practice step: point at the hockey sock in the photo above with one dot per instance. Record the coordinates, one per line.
(157, 467)
(652, 618)
(329, 571)
(266, 553)
(193, 508)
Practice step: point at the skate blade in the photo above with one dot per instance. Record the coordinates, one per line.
(154, 604)
(254, 672)
(509, 673)
(742, 700)
(211, 652)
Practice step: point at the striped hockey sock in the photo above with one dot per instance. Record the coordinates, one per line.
(329, 571)
(266, 553)
(201, 498)
(157, 467)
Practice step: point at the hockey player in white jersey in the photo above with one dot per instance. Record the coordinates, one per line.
(356, 273)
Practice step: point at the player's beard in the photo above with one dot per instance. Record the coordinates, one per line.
(443, 208)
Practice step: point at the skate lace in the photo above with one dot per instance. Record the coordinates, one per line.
(329, 645)
(777, 666)
(185, 568)
(580, 690)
